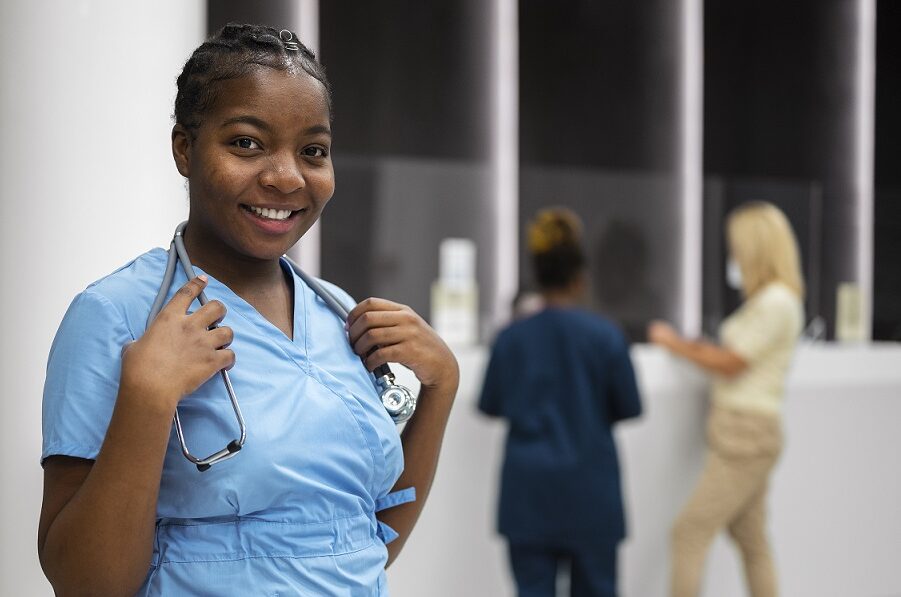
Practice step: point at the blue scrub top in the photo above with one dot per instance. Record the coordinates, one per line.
(294, 511)
(561, 378)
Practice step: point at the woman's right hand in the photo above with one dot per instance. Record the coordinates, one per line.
(179, 351)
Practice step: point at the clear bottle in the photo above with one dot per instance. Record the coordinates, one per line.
(849, 313)
(455, 296)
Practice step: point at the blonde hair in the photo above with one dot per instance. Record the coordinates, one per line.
(762, 242)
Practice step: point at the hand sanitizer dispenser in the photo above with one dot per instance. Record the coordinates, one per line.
(455, 297)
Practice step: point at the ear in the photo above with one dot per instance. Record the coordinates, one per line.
(181, 150)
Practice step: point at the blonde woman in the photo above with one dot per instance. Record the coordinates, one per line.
(749, 367)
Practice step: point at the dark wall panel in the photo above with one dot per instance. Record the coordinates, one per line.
(779, 85)
(275, 13)
(597, 83)
(598, 133)
(410, 77)
(887, 208)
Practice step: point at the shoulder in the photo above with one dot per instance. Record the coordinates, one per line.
(575, 323)
(602, 329)
(513, 334)
(339, 293)
(777, 299)
(141, 274)
(775, 307)
(524, 327)
(777, 293)
(102, 318)
(129, 290)
(334, 291)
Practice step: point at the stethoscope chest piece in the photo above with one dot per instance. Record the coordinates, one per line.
(398, 401)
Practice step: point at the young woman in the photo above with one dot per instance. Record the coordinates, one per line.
(749, 368)
(561, 377)
(311, 503)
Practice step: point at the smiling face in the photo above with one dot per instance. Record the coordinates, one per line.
(259, 165)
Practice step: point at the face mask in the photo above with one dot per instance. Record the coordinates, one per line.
(733, 274)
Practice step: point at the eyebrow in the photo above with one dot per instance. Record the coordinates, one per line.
(251, 120)
(261, 124)
(318, 129)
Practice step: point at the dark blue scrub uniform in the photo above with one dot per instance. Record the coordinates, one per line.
(561, 378)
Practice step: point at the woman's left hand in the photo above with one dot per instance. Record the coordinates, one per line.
(382, 331)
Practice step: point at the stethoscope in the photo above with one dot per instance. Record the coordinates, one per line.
(398, 400)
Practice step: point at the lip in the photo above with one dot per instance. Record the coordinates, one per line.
(274, 227)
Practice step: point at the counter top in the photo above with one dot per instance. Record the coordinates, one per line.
(834, 515)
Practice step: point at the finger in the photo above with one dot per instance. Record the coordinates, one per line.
(210, 314)
(371, 304)
(221, 337)
(185, 295)
(378, 337)
(383, 355)
(373, 319)
(224, 359)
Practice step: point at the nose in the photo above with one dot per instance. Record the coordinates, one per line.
(283, 173)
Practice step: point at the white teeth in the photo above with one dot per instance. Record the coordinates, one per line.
(272, 214)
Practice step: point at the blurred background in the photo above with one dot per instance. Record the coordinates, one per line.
(651, 119)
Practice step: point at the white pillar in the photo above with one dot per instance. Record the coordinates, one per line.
(864, 147)
(505, 155)
(690, 161)
(87, 183)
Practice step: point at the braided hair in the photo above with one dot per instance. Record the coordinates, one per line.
(554, 239)
(234, 52)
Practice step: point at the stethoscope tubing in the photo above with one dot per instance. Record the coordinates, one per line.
(398, 400)
(178, 253)
(333, 304)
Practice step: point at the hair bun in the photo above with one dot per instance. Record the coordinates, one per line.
(554, 228)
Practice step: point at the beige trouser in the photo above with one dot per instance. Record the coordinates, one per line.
(743, 446)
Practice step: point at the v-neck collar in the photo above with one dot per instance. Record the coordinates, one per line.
(237, 305)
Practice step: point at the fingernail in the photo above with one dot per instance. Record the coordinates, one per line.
(203, 278)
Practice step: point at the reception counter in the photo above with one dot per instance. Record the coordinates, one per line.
(834, 503)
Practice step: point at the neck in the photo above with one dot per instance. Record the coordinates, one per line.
(561, 297)
(244, 275)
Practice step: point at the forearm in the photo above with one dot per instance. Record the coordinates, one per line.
(101, 541)
(421, 440)
(710, 356)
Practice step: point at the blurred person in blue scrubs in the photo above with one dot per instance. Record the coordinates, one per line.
(325, 492)
(562, 378)
(744, 429)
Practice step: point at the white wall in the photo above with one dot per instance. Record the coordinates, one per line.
(86, 183)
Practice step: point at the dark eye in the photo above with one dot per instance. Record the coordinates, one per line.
(315, 152)
(246, 143)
